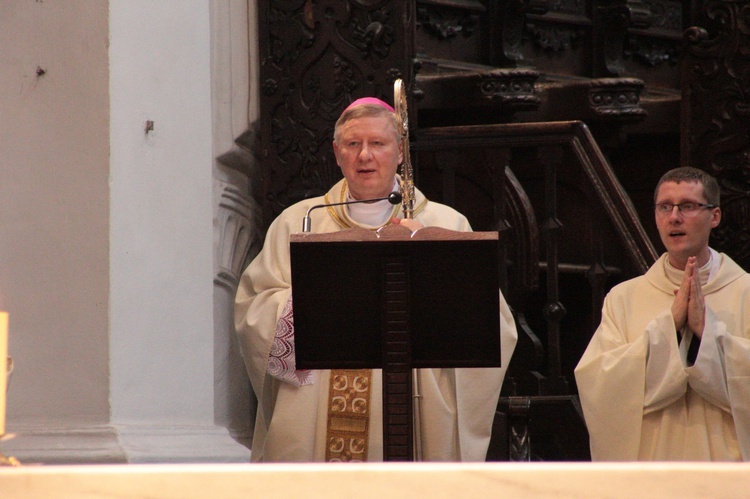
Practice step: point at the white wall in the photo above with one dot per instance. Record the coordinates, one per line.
(161, 212)
(54, 215)
(107, 231)
(162, 323)
(235, 106)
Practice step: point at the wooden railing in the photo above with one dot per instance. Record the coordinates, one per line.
(568, 233)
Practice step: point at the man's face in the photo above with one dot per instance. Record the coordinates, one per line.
(368, 152)
(685, 235)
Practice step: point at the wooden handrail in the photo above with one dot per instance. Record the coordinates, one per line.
(575, 135)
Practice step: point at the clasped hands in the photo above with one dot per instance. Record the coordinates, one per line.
(689, 306)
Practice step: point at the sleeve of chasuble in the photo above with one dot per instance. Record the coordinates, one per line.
(721, 375)
(478, 390)
(618, 380)
(737, 361)
(263, 292)
(708, 376)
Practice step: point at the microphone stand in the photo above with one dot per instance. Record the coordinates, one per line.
(393, 198)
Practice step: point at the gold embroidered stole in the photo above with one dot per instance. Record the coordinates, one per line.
(348, 428)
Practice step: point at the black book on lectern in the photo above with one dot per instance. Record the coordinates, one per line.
(353, 288)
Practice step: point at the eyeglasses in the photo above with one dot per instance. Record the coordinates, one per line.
(689, 209)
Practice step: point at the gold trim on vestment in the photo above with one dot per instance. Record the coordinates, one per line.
(346, 223)
(348, 428)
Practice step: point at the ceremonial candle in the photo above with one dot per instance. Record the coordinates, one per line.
(3, 367)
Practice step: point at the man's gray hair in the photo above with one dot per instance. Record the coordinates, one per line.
(366, 111)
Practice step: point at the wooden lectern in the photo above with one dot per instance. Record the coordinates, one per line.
(395, 301)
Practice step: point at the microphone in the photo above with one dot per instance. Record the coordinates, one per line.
(393, 198)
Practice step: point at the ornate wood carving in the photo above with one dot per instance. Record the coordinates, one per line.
(557, 25)
(655, 34)
(316, 57)
(665, 17)
(522, 241)
(545, 428)
(474, 95)
(602, 101)
(445, 20)
(616, 98)
(566, 7)
(716, 115)
(506, 34)
(646, 32)
(611, 20)
(519, 443)
(652, 52)
(555, 38)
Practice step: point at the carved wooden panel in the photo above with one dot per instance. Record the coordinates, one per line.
(452, 29)
(605, 38)
(316, 57)
(557, 37)
(653, 44)
(716, 115)
(467, 52)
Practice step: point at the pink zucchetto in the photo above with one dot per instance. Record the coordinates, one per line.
(370, 100)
